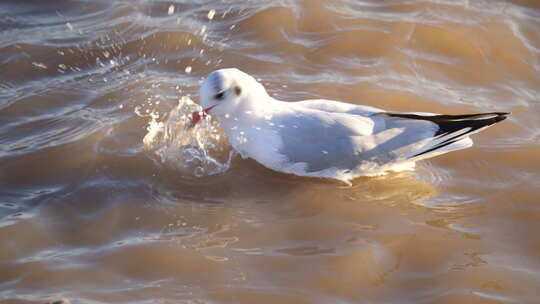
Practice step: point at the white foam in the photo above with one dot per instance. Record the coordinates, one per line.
(196, 152)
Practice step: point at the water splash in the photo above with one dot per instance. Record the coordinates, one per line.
(196, 152)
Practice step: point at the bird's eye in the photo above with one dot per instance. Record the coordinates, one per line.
(237, 90)
(220, 95)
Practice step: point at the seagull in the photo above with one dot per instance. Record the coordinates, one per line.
(326, 138)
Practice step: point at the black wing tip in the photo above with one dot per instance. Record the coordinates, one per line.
(491, 118)
(499, 116)
(502, 115)
(451, 123)
(443, 117)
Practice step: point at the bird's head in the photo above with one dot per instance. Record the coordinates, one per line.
(226, 91)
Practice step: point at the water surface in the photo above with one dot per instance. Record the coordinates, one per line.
(105, 198)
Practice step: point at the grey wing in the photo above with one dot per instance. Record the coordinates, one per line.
(323, 140)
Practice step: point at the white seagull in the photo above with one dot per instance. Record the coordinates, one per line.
(326, 138)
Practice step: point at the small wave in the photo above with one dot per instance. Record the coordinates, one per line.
(194, 152)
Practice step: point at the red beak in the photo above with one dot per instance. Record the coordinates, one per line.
(197, 116)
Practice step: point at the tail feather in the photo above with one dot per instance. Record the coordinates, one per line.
(452, 128)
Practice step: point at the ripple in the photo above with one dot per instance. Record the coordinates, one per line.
(189, 150)
(107, 197)
(14, 218)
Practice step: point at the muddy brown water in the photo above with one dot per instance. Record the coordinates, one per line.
(87, 214)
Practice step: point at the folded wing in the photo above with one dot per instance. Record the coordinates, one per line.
(319, 139)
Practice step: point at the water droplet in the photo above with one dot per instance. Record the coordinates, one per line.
(199, 172)
(171, 10)
(211, 14)
(188, 69)
(39, 65)
(69, 26)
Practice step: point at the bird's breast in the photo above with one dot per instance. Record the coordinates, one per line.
(257, 139)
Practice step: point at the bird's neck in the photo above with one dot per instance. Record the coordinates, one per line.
(252, 113)
(248, 120)
(255, 107)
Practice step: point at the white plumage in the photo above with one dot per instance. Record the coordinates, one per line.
(325, 138)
